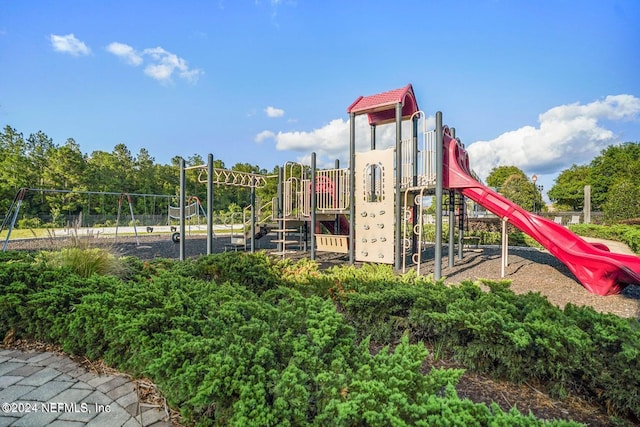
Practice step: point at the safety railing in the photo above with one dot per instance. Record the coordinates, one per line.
(425, 160)
(332, 191)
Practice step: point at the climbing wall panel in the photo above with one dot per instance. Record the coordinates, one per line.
(374, 207)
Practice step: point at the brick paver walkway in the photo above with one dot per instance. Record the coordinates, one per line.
(47, 389)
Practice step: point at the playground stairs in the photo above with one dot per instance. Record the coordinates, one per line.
(285, 229)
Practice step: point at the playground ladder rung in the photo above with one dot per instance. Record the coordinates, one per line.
(286, 242)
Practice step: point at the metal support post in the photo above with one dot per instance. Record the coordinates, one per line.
(17, 201)
(336, 221)
(398, 188)
(437, 274)
(281, 224)
(352, 186)
(461, 214)
(183, 202)
(452, 226)
(253, 218)
(209, 204)
(313, 206)
(133, 220)
(504, 259)
(373, 137)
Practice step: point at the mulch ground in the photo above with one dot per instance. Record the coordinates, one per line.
(529, 270)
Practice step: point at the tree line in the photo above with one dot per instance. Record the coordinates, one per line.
(36, 161)
(613, 175)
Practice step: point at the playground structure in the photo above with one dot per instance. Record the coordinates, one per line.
(374, 210)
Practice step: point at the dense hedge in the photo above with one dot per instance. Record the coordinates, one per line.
(628, 234)
(490, 235)
(234, 337)
(230, 345)
(516, 337)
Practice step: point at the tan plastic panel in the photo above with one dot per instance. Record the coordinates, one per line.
(374, 222)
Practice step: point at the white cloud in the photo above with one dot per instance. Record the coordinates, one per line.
(161, 64)
(331, 141)
(69, 44)
(566, 135)
(263, 136)
(274, 112)
(165, 63)
(126, 52)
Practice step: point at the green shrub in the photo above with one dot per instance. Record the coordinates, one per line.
(487, 236)
(14, 256)
(32, 298)
(622, 201)
(17, 277)
(249, 353)
(515, 337)
(255, 271)
(26, 223)
(613, 353)
(628, 234)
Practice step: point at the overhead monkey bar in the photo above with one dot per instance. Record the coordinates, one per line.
(210, 175)
(231, 177)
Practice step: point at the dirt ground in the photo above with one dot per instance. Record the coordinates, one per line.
(528, 269)
(532, 270)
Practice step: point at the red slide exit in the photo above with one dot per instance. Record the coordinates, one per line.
(599, 271)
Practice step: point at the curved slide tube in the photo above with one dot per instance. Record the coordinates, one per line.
(600, 271)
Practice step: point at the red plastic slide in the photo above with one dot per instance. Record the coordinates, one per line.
(599, 271)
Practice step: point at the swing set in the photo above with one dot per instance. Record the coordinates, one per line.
(83, 219)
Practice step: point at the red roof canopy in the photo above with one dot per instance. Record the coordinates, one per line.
(381, 107)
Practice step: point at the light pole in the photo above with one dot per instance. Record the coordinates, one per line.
(536, 188)
(534, 178)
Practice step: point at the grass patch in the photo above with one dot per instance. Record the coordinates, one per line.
(85, 262)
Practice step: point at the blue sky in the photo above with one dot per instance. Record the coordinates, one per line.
(536, 84)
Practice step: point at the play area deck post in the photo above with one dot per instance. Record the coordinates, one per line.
(253, 217)
(437, 274)
(398, 185)
(352, 186)
(452, 226)
(313, 206)
(280, 211)
(452, 216)
(462, 211)
(183, 203)
(209, 204)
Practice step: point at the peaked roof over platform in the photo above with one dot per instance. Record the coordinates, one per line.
(381, 107)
